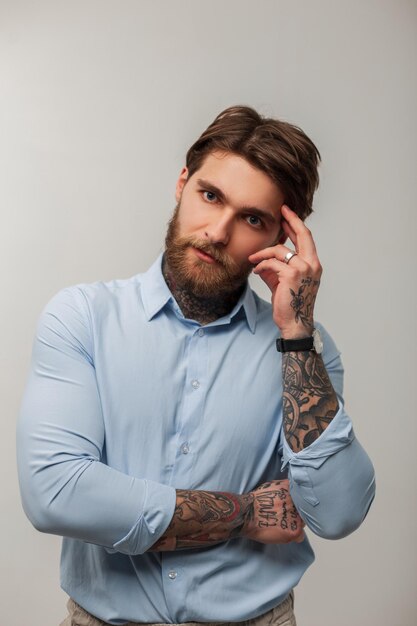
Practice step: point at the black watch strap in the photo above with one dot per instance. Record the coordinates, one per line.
(295, 345)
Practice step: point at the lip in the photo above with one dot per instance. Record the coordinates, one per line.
(204, 256)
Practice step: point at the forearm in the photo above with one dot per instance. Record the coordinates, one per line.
(204, 518)
(309, 400)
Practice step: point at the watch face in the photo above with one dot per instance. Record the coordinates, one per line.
(317, 341)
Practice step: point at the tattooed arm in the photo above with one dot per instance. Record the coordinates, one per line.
(309, 400)
(205, 518)
(333, 484)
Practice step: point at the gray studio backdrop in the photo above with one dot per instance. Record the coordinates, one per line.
(99, 101)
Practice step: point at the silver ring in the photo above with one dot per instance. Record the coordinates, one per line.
(289, 256)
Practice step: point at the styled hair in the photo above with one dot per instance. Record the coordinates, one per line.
(281, 150)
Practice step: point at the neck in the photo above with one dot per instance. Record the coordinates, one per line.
(201, 309)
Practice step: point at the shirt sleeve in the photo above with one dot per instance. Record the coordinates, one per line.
(66, 487)
(332, 481)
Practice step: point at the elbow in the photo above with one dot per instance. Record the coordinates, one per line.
(39, 513)
(344, 520)
(342, 498)
(340, 528)
(34, 501)
(40, 501)
(41, 521)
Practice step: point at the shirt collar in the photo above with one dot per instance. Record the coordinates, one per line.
(156, 294)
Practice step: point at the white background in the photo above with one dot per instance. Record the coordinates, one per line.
(99, 101)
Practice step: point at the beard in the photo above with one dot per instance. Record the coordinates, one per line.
(188, 272)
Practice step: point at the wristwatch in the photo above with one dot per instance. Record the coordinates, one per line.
(313, 343)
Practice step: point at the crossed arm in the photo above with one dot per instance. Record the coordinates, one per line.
(203, 518)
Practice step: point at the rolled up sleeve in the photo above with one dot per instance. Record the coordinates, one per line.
(332, 481)
(66, 488)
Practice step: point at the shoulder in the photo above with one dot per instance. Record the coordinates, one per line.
(93, 299)
(76, 311)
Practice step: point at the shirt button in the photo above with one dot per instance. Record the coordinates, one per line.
(185, 448)
(200, 332)
(172, 574)
(195, 384)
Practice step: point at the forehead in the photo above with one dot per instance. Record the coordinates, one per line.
(239, 180)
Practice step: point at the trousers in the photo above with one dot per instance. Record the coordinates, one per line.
(281, 615)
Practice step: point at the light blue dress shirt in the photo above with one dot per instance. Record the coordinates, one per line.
(127, 401)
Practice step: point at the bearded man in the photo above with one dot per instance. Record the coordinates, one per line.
(178, 431)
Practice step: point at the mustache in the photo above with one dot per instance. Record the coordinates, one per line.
(219, 255)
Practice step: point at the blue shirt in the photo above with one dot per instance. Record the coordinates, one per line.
(127, 401)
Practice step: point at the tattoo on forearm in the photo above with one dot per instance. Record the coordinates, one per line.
(309, 400)
(203, 518)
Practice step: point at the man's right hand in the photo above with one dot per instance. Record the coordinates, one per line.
(274, 517)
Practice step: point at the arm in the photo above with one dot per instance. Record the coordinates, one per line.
(203, 518)
(331, 477)
(309, 400)
(66, 488)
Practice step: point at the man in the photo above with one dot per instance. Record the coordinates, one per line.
(180, 432)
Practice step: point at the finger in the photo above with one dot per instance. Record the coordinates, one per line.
(269, 265)
(289, 231)
(270, 278)
(273, 252)
(304, 238)
(301, 538)
(277, 265)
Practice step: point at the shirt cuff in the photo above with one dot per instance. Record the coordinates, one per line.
(158, 509)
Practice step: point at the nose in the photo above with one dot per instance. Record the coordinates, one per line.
(219, 230)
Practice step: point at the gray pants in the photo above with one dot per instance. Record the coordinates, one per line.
(281, 615)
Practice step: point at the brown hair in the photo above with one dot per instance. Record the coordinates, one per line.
(281, 150)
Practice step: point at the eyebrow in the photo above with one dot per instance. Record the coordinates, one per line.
(263, 213)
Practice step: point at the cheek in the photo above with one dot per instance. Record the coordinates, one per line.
(240, 251)
(190, 216)
(186, 221)
(248, 243)
(189, 226)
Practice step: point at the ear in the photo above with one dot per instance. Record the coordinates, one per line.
(180, 183)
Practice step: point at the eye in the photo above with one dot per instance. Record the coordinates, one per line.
(210, 196)
(254, 220)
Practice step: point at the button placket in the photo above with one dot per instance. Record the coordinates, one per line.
(193, 404)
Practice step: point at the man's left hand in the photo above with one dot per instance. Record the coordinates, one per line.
(294, 285)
